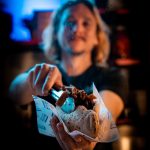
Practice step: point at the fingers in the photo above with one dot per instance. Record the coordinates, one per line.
(54, 123)
(76, 136)
(42, 77)
(67, 142)
(76, 141)
(30, 78)
(40, 74)
(53, 77)
(36, 72)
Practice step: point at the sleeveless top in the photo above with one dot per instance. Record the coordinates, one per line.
(104, 79)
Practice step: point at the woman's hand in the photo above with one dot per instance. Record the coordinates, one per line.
(77, 142)
(42, 77)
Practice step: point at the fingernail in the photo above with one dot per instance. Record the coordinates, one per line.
(59, 125)
(78, 139)
(54, 119)
(44, 93)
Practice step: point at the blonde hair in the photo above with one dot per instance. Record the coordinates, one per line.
(50, 43)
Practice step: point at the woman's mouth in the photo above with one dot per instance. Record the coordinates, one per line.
(76, 38)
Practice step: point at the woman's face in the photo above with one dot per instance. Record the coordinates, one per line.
(77, 30)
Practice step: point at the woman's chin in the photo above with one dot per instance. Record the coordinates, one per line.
(77, 52)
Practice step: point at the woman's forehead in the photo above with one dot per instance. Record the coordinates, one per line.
(78, 10)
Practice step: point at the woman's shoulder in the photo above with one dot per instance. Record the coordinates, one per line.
(113, 78)
(106, 69)
(110, 74)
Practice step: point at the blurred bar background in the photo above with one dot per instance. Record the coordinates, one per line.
(22, 23)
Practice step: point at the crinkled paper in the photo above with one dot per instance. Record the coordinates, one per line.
(108, 131)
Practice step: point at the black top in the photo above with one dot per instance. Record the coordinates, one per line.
(103, 78)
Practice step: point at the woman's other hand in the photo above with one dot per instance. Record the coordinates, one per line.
(76, 142)
(42, 77)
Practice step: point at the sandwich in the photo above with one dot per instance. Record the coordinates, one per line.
(84, 117)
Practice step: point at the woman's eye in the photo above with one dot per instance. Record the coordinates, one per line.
(86, 24)
(69, 23)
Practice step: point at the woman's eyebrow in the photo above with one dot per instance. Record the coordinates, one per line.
(68, 17)
(89, 19)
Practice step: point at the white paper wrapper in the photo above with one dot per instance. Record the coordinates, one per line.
(108, 131)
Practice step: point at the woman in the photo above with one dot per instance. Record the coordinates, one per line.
(75, 41)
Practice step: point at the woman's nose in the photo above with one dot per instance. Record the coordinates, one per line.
(77, 28)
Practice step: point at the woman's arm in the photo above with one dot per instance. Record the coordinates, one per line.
(76, 142)
(20, 90)
(37, 81)
(113, 102)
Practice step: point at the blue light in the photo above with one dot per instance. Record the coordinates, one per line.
(69, 105)
(21, 9)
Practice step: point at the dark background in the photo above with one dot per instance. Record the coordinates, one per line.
(18, 55)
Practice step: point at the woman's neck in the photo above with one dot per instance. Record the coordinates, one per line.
(75, 65)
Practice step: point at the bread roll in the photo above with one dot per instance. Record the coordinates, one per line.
(82, 119)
